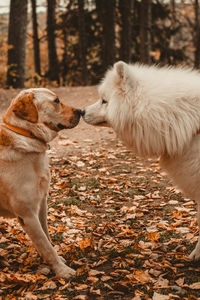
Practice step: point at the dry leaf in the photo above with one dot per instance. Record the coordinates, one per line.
(49, 285)
(142, 276)
(194, 286)
(157, 296)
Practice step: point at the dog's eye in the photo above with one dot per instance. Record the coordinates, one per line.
(57, 100)
(104, 101)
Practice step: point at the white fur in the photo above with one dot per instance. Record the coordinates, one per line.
(156, 112)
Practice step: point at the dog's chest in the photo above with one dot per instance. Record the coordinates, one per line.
(24, 181)
(41, 169)
(41, 165)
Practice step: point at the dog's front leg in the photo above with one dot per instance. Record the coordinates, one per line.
(33, 228)
(195, 254)
(43, 216)
(43, 220)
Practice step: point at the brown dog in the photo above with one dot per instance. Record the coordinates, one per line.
(32, 120)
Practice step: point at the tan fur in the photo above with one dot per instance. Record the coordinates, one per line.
(25, 108)
(24, 171)
(5, 140)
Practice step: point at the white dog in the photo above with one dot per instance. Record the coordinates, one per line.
(156, 112)
(32, 120)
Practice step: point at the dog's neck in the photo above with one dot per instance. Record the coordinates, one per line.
(22, 131)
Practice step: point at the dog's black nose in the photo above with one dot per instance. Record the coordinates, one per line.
(80, 112)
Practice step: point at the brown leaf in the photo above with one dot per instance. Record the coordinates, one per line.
(195, 286)
(142, 276)
(81, 287)
(84, 244)
(157, 296)
(49, 285)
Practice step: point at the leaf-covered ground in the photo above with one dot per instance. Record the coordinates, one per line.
(118, 221)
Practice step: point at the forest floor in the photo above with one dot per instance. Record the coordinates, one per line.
(115, 218)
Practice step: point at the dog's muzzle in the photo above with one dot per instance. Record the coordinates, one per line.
(73, 121)
(61, 126)
(82, 113)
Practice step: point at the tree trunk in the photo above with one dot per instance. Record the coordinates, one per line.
(145, 31)
(65, 22)
(126, 10)
(64, 66)
(173, 21)
(173, 9)
(106, 12)
(53, 72)
(36, 41)
(17, 44)
(197, 36)
(82, 42)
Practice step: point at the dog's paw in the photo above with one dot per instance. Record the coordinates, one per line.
(64, 271)
(195, 254)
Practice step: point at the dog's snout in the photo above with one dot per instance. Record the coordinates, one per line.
(82, 113)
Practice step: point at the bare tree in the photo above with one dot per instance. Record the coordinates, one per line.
(126, 10)
(106, 12)
(36, 41)
(145, 31)
(64, 28)
(82, 42)
(64, 63)
(53, 72)
(17, 43)
(173, 9)
(173, 19)
(197, 36)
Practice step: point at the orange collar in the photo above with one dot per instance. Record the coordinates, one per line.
(22, 131)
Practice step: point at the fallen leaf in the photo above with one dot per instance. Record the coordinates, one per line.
(157, 296)
(195, 286)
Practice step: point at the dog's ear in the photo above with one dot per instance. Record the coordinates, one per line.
(121, 69)
(124, 79)
(25, 108)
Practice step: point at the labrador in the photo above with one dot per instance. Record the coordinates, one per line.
(32, 120)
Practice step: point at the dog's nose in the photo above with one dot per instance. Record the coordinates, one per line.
(80, 112)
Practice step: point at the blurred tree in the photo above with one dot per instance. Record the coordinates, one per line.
(63, 26)
(53, 72)
(17, 43)
(126, 11)
(36, 41)
(145, 31)
(165, 34)
(173, 10)
(92, 34)
(64, 62)
(173, 19)
(197, 36)
(82, 41)
(106, 13)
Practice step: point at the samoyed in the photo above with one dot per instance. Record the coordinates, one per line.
(156, 112)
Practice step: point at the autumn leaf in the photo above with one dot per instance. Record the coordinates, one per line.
(194, 286)
(124, 230)
(84, 244)
(153, 236)
(49, 285)
(141, 276)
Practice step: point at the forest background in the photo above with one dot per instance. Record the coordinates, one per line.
(73, 42)
(115, 218)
